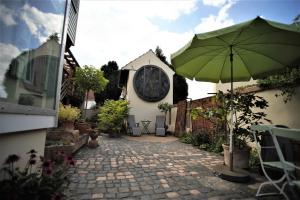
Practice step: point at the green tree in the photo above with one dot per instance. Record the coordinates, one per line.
(180, 87)
(89, 78)
(112, 91)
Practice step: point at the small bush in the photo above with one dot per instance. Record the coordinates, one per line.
(216, 144)
(68, 113)
(186, 138)
(200, 138)
(254, 159)
(112, 115)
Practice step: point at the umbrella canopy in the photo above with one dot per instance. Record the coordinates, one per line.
(252, 49)
(259, 47)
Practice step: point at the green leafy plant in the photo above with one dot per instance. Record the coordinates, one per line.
(247, 110)
(112, 115)
(199, 138)
(254, 159)
(89, 78)
(68, 113)
(39, 179)
(164, 107)
(186, 138)
(286, 82)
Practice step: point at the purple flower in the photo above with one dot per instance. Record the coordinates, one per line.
(57, 196)
(12, 158)
(72, 162)
(32, 161)
(48, 171)
(46, 164)
(32, 156)
(31, 151)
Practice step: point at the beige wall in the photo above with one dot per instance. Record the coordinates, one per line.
(20, 143)
(282, 113)
(141, 109)
(173, 119)
(279, 112)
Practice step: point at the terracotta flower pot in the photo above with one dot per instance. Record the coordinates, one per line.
(240, 157)
(68, 125)
(93, 144)
(83, 127)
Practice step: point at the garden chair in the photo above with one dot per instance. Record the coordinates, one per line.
(132, 127)
(287, 167)
(160, 129)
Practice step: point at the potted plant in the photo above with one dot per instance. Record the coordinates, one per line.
(88, 79)
(247, 110)
(67, 115)
(93, 143)
(112, 115)
(165, 108)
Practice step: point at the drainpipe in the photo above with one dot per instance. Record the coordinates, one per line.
(188, 109)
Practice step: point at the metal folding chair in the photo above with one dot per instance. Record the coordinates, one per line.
(288, 168)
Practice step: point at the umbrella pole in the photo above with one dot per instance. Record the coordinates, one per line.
(231, 112)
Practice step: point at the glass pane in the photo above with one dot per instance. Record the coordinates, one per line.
(30, 44)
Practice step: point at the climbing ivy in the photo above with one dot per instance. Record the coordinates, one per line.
(286, 82)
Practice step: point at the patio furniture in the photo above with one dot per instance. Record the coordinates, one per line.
(145, 126)
(133, 127)
(287, 167)
(160, 129)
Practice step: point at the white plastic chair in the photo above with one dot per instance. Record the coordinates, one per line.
(288, 168)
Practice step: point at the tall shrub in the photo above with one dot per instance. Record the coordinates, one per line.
(112, 115)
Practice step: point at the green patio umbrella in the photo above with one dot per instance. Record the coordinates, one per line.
(252, 49)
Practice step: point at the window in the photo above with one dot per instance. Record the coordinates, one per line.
(31, 35)
(30, 43)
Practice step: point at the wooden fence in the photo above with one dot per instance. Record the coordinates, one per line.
(197, 125)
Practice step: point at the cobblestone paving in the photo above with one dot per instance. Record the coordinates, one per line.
(126, 169)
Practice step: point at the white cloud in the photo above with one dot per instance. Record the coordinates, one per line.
(8, 52)
(41, 24)
(123, 30)
(7, 16)
(213, 22)
(216, 3)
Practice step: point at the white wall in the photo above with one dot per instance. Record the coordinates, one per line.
(200, 90)
(141, 109)
(20, 143)
(279, 112)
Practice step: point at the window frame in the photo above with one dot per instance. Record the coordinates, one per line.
(35, 117)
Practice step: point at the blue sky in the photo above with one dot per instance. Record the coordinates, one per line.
(124, 30)
(278, 10)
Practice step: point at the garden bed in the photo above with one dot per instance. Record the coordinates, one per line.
(69, 149)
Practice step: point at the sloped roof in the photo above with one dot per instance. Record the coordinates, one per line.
(129, 65)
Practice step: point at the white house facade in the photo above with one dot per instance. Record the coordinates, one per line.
(147, 81)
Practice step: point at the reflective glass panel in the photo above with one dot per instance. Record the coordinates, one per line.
(30, 45)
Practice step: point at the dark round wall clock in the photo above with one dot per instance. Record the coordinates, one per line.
(151, 83)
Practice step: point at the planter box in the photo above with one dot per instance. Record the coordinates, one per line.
(240, 157)
(51, 151)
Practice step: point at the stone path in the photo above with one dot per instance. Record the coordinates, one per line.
(127, 169)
